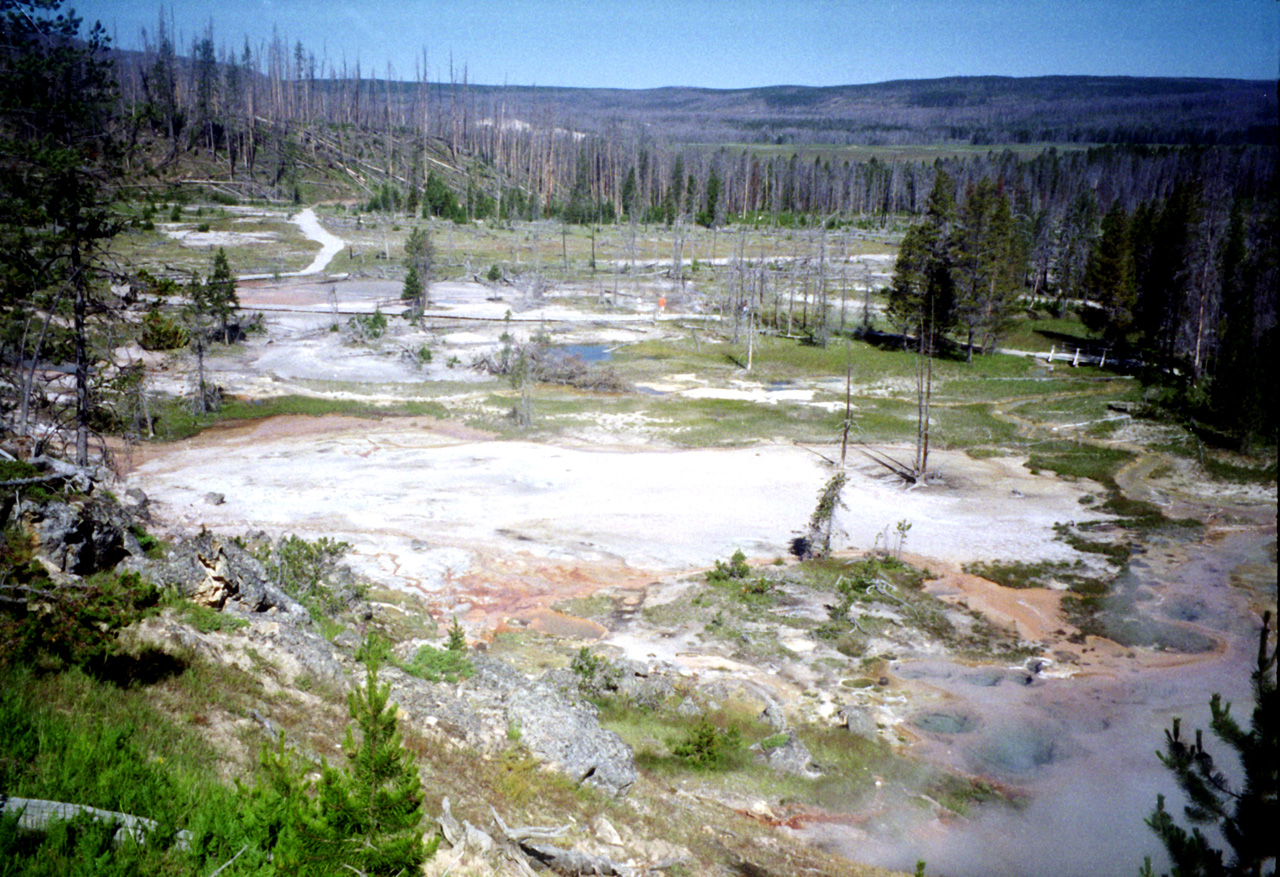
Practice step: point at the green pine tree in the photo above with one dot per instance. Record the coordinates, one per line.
(59, 177)
(922, 295)
(216, 298)
(419, 258)
(1109, 279)
(367, 818)
(412, 289)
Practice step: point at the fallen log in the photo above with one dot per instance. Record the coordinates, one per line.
(35, 816)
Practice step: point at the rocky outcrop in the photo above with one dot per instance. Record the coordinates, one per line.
(566, 735)
(216, 572)
(272, 648)
(83, 537)
(526, 848)
(498, 703)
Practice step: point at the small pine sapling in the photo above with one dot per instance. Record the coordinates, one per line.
(368, 818)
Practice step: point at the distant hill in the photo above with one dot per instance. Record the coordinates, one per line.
(978, 110)
(975, 110)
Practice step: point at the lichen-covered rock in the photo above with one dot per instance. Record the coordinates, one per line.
(216, 572)
(858, 720)
(773, 716)
(274, 652)
(644, 685)
(567, 736)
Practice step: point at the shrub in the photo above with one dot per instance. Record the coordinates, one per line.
(205, 618)
(368, 327)
(438, 665)
(596, 674)
(304, 570)
(736, 568)
(70, 624)
(706, 747)
(162, 332)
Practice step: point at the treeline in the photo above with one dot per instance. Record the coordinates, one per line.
(1181, 287)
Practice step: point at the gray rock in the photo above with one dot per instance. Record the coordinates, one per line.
(137, 504)
(555, 726)
(85, 537)
(689, 708)
(792, 757)
(213, 498)
(772, 716)
(567, 735)
(644, 686)
(295, 652)
(858, 721)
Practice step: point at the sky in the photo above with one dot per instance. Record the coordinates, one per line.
(733, 43)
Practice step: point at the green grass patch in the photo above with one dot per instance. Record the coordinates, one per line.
(203, 618)
(1042, 332)
(963, 426)
(596, 606)
(68, 737)
(668, 743)
(1072, 461)
(438, 665)
(734, 422)
(1238, 474)
(1115, 552)
(174, 419)
(1019, 574)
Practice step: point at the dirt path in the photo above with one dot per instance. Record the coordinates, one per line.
(330, 246)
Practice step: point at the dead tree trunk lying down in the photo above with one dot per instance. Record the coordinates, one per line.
(35, 816)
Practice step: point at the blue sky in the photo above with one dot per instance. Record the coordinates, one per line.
(738, 43)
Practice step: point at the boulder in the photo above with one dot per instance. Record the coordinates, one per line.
(566, 735)
(643, 685)
(858, 720)
(773, 716)
(83, 537)
(292, 651)
(792, 757)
